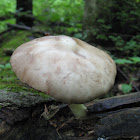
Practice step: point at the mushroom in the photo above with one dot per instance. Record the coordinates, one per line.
(66, 68)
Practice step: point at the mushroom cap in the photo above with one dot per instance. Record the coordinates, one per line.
(67, 69)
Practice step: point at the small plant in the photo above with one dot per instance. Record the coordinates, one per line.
(130, 60)
(123, 61)
(118, 41)
(135, 59)
(127, 47)
(6, 66)
(59, 10)
(126, 88)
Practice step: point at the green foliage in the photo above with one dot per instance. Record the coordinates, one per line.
(115, 23)
(135, 59)
(68, 11)
(18, 38)
(3, 24)
(9, 81)
(129, 47)
(119, 42)
(11, 40)
(131, 60)
(126, 88)
(2, 66)
(123, 61)
(7, 6)
(5, 66)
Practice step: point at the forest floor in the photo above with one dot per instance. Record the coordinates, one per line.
(126, 74)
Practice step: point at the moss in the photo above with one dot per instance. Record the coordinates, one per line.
(4, 59)
(11, 41)
(8, 79)
(16, 40)
(18, 87)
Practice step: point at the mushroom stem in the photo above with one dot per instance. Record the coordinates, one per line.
(79, 110)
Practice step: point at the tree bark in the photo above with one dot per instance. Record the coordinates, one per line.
(24, 7)
(114, 118)
(94, 13)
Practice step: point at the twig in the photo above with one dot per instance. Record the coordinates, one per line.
(9, 29)
(10, 15)
(23, 27)
(126, 77)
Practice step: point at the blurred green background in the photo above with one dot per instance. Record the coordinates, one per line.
(111, 25)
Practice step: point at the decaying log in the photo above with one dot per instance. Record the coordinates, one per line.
(112, 118)
(125, 123)
(117, 102)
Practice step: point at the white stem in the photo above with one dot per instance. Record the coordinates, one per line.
(79, 110)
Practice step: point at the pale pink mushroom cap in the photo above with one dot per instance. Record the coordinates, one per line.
(67, 69)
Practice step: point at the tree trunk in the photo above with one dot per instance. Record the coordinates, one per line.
(112, 118)
(95, 15)
(24, 7)
(108, 18)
